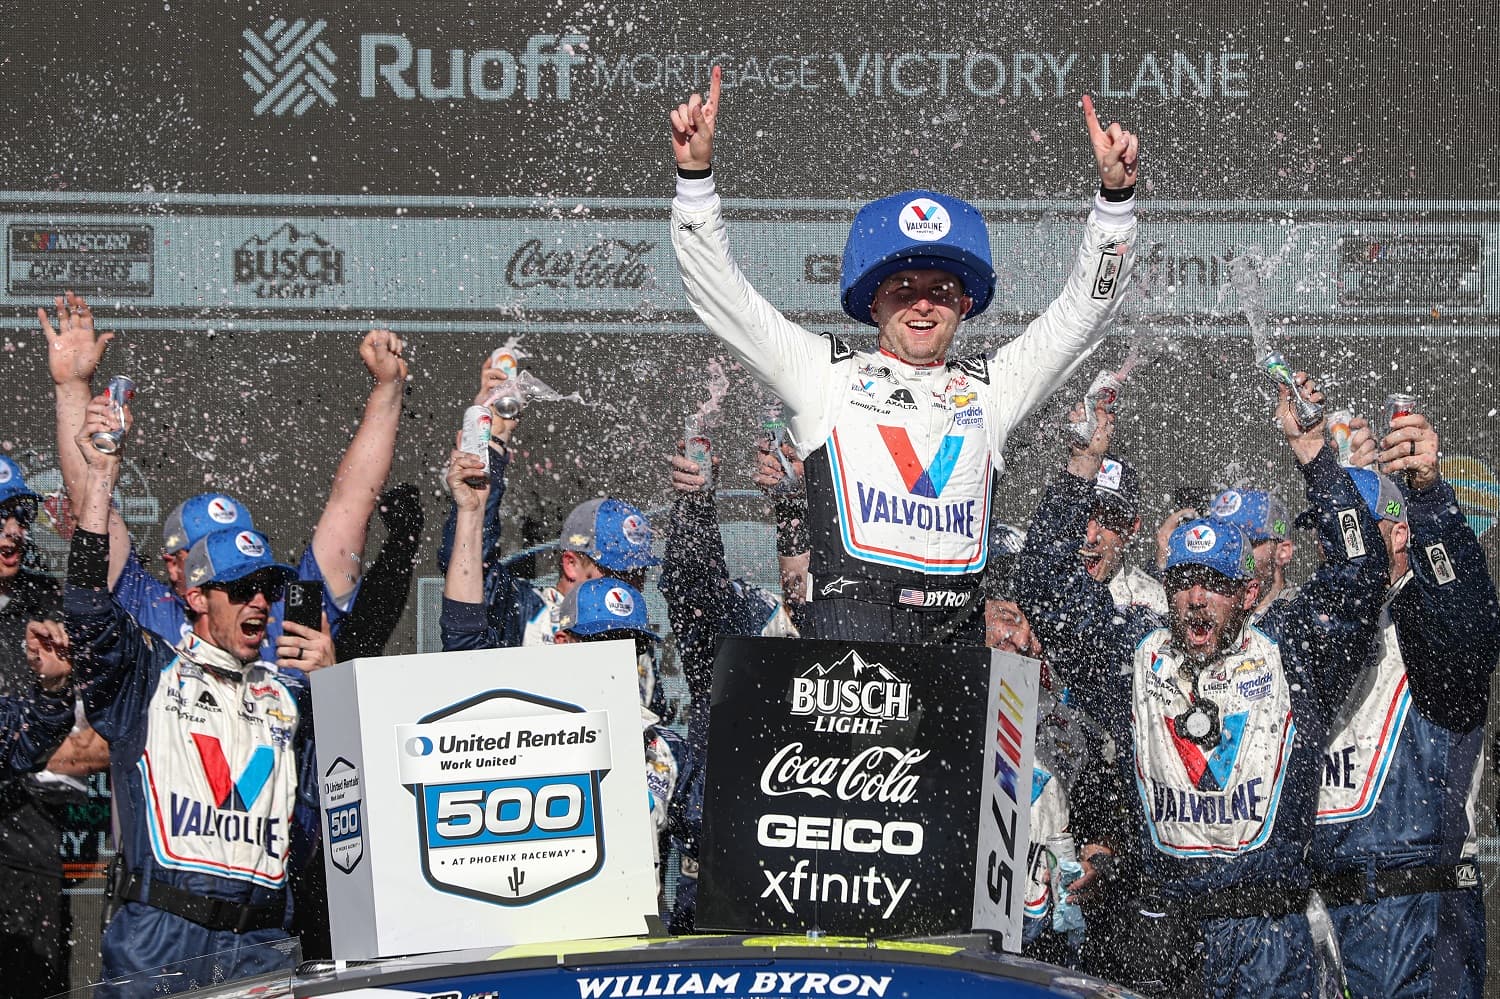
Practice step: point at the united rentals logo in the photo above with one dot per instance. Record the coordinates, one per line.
(289, 67)
(852, 695)
(507, 791)
(343, 808)
(289, 263)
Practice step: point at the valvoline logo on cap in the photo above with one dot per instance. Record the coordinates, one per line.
(635, 530)
(924, 220)
(1200, 539)
(618, 602)
(1228, 504)
(6, 472)
(249, 545)
(222, 510)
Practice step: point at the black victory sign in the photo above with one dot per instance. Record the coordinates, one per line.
(843, 787)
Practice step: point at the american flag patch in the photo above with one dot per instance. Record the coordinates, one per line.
(913, 598)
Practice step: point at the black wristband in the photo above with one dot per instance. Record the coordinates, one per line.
(687, 174)
(1122, 194)
(88, 560)
(792, 536)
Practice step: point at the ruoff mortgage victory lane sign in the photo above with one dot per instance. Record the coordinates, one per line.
(867, 789)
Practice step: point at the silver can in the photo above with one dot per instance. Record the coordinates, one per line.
(121, 392)
(1397, 404)
(475, 440)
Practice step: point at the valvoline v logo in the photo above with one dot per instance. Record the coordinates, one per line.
(1211, 771)
(237, 794)
(922, 480)
(923, 220)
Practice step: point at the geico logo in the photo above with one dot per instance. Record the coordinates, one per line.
(508, 810)
(812, 832)
(875, 700)
(485, 74)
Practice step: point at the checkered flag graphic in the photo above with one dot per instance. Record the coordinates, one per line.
(289, 66)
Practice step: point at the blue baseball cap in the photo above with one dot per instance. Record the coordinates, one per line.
(1117, 487)
(1260, 514)
(224, 556)
(202, 515)
(1379, 491)
(915, 230)
(611, 532)
(1212, 544)
(14, 491)
(600, 606)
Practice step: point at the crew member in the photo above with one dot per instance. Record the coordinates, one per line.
(1223, 721)
(902, 444)
(1395, 837)
(1262, 516)
(208, 750)
(1113, 524)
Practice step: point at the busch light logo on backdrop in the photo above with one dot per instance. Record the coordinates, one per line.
(289, 263)
(289, 68)
(852, 695)
(507, 791)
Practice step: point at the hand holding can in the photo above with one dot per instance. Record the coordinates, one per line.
(121, 393)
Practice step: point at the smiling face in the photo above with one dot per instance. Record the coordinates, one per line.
(12, 548)
(1006, 629)
(1207, 610)
(1104, 542)
(918, 312)
(233, 617)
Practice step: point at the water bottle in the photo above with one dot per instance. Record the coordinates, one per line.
(1067, 917)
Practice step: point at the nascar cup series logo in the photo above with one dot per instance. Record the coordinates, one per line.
(507, 791)
(924, 220)
(852, 695)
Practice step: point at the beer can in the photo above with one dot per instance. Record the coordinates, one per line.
(773, 433)
(475, 440)
(504, 359)
(1343, 437)
(699, 449)
(121, 392)
(1398, 404)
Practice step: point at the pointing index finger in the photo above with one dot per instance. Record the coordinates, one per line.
(715, 84)
(1091, 119)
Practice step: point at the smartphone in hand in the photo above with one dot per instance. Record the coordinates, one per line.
(304, 603)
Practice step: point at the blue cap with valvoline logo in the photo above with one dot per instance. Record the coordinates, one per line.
(224, 556)
(603, 606)
(1212, 544)
(202, 515)
(915, 230)
(14, 492)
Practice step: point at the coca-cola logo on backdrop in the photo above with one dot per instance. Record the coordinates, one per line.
(609, 264)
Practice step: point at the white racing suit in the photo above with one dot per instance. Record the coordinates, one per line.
(901, 458)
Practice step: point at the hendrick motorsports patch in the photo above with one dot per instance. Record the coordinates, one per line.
(506, 787)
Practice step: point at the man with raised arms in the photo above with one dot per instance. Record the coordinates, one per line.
(902, 444)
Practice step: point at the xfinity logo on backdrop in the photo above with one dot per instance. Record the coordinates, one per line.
(290, 68)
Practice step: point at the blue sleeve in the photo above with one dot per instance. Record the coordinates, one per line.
(1327, 633)
(465, 626)
(499, 461)
(307, 825)
(31, 728)
(1087, 638)
(147, 598)
(695, 583)
(113, 667)
(1447, 616)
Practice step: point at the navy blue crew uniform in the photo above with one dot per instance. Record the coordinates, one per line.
(1396, 840)
(1226, 758)
(212, 768)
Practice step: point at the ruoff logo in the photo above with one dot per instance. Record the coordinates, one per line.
(852, 695)
(289, 67)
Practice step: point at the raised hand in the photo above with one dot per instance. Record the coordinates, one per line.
(1305, 443)
(73, 349)
(381, 352)
(49, 654)
(467, 480)
(1411, 448)
(102, 416)
(693, 125)
(1116, 151)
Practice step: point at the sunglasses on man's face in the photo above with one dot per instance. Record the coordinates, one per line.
(242, 591)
